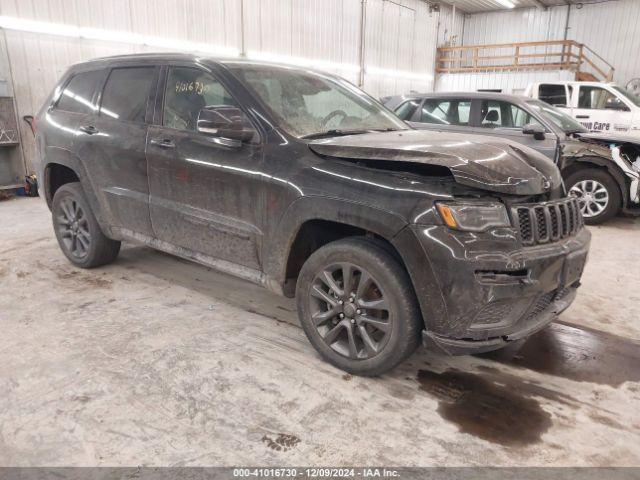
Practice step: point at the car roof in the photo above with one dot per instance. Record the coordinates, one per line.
(471, 95)
(188, 57)
(575, 82)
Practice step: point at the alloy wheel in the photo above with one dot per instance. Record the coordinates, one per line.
(73, 227)
(350, 311)
(592, 196)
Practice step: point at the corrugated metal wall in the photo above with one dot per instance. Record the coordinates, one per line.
(451, 26)
(521, 25)
(613, 31)
(400, 35)
(610, 28)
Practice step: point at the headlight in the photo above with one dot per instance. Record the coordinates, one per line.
(473, 217)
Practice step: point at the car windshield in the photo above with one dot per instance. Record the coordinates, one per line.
(628, 95)
(313, 105)
(560, 119)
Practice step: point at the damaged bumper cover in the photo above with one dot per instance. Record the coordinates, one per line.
(452, 346)
(496, 291)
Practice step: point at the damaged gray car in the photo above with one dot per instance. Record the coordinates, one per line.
(299, 181)
(602, 170)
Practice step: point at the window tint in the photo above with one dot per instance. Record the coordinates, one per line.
(76, 96)
(446, 112)
(188, 91)
(406, 110)
(596, 98)
(126, 93)
(499, 114)
(553, 94)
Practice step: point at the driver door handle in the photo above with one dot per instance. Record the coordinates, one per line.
(162, 142)
(582, 116)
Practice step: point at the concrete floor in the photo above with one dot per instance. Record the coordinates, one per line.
(157, 361)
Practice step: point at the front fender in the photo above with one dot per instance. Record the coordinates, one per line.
(304, 209)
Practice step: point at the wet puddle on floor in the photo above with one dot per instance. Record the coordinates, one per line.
(505, 408)
(577, 353)
(494, 406)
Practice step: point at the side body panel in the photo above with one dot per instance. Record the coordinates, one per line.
(113, 150)
(205, 195)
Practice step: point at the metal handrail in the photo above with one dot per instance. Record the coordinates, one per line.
(557, 55)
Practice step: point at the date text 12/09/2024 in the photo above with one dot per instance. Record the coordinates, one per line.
(315, 473)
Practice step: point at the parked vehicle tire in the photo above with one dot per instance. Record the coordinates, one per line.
(77, 229)
(357, 307)
(597, 192)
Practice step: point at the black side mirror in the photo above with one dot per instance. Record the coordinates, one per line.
(225, 122)
(534, 129)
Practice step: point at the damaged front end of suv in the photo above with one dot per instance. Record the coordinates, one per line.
(493, 245)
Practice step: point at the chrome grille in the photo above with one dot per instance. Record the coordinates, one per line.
(547, 222)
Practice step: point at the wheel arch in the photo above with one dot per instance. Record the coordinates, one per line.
(577, 163)
(311, 222)
(61, 167)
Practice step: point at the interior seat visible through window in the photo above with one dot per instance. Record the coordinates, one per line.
(188, 91)
(446, 112)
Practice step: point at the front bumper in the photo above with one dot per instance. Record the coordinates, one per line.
(493, 290)
(452, 346)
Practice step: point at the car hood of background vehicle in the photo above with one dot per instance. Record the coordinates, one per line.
(609, 137)
(482, 162)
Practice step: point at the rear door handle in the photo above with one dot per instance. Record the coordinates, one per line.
(162, 142)
(89, 129)
(582, 116)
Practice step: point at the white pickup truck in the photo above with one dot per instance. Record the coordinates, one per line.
(599, 107)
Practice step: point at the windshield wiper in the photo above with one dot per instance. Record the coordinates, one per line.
(335, 132)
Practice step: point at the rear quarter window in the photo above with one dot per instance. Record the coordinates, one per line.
(76, 97)
(553, 94)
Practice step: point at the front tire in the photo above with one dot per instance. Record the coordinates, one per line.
(77, 230)
(597, 193)
(357, 307)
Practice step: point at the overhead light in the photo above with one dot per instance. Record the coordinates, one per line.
(48, 28)
(506, 3)
(13, 23)
(90, 33)
(386, 72)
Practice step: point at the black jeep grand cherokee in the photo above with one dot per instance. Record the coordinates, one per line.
(297, 180)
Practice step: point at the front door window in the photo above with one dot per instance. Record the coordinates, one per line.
(188, 91)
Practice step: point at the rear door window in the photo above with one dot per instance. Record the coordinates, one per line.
(446, 112)
(553, 94)
(78, 93)
(500, 114)
(126, 93)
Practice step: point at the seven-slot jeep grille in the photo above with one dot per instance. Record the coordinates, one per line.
(547, 222)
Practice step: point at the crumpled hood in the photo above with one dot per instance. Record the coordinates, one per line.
(482, 162)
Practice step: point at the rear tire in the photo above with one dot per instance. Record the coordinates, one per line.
(597, 193)
(77, 230)
(378, 323)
